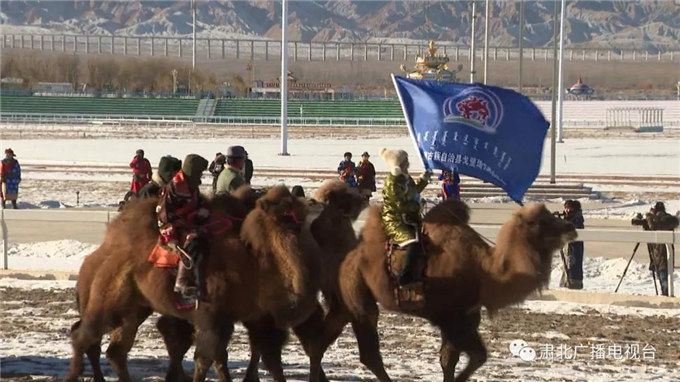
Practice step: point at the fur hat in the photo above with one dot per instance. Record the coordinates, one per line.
(167, 167)
(394, 158)
(194, 165)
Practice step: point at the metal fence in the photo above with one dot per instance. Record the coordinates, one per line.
(264, 50)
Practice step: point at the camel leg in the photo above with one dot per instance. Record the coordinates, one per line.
(177, 335)
(448, 358)
(84, 338)
(211, 346)
(266, 341)
(461, 335)
(93, 355)
(368, 339)
(317, 333)
(122, 340)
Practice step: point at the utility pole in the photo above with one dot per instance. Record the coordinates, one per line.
(553, 120)
(521, 45)
(486, 39)
(472, 42)
(284, 77)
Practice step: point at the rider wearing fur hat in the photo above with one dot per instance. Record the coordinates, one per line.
(181, 215)
(401, 209)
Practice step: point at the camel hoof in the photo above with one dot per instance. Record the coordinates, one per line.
(251, 377)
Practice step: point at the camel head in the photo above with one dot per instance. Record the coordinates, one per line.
(281, 205)
(545, 232)
(336, 194)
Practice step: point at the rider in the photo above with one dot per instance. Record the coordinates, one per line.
(401, 209)
(181, 215)
(167, 168)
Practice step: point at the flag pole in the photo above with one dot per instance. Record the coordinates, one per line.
(486, 40)
(521, 45)
(283, 82)
(553, 119)
(408, 122)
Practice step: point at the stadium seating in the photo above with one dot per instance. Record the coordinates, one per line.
(309, 108)
(91, 105)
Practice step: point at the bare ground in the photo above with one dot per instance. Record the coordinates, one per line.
(35, 345)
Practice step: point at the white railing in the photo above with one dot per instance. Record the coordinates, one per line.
(490, 231)
(45, 118)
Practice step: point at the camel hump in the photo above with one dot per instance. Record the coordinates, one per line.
(450, 212)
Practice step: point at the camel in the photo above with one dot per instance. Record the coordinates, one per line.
(462, 274)
(333, 231)
(241, 284)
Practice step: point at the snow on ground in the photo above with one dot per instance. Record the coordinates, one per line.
(599, 274)
(580, 156)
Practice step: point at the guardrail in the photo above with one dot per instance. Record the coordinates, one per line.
(44, 118)
(491, 231)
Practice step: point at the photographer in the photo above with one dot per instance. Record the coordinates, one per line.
(657, 219)
(573, 278)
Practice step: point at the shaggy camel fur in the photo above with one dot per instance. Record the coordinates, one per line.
(463, 273)
(239, 286)
(333, 230)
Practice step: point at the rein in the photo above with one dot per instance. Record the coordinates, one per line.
(227, 222)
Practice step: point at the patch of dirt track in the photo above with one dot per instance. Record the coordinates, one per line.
(35, 345)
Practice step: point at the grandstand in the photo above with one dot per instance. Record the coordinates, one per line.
(309, 108)
(93, 105)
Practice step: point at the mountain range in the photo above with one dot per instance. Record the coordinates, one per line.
(649, 24)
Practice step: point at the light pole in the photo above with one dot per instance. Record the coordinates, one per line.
(193, 35)
(553, 119)
(560, 80)
(472, 42)
(284, 77)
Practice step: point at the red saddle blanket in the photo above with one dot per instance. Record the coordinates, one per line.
(162, 257)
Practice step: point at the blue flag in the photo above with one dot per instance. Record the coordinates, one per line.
(486, 132)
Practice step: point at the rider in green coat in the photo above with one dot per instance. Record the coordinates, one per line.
(401, 208)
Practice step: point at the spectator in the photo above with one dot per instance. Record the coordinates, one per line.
(10, 177)
(450, 185)
(230, 179)
(216, 167)
(573, 279)
(141, 171)
(366, 176)
(347, 170)
(248, 169)
(659, 220)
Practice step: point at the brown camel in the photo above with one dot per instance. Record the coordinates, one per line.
(240, 284)
(334, 232)
(462, 274)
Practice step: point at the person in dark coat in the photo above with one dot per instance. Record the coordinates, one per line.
(659, 220)
(216, 167)
(167, 168)
(348, 170)
(248, 169)
(575, 249)
(450, 185)
(366, 176)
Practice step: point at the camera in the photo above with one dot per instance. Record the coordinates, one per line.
(558, 214)
(638, 220)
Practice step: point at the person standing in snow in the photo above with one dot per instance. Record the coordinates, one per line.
(141, 171)
(10, 177)
(348, 170)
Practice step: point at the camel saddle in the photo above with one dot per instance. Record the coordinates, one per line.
(162, 257)
(409, 297)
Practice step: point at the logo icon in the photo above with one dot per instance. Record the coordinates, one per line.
(475, 107)
(522, 350)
